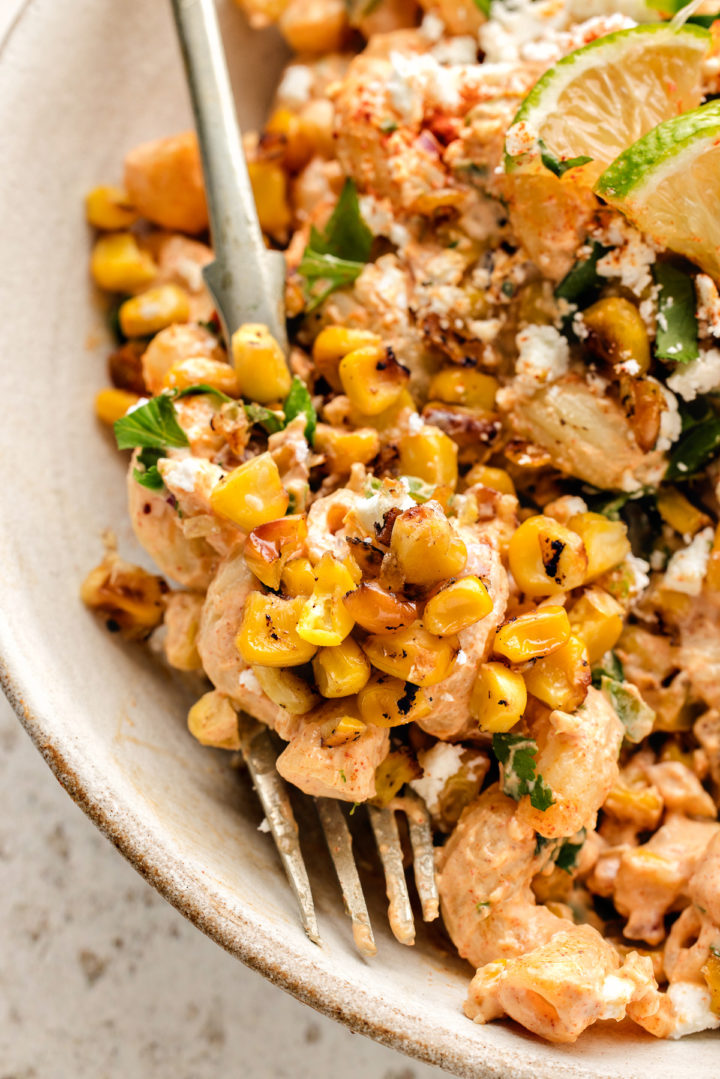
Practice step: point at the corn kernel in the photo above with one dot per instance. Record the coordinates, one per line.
(269, 185)
(425, 546)
(260, 364)
(286, 689)
(153, 310)
(497, 479)
(372, 378)
(597, 619)
(298, 146)
(271, 545)
(109, 208)
(386, 421)
(324, 619)
(314, 26)
(268, 635)
(252, 494)
(617, 332)
(533, 635)
(342, 670)
(711, 974)
(389, 702)
(112, 404)
(413, 655)
(378, 610)
(606, 542)
(298, 577)
(642, 806)
(546, 557)
(213, 721)
(118, 264)
(498, 698)
(712, 575)
(398, 768)
(131, 599)
(456, 606)
(464, 386)
(344, 448)
(200, 369)
(561, 680)
(341, 731)
(332, 345)
(431, 455)
(679, 513)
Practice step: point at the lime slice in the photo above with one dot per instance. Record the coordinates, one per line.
(603, 97)
(668, 184)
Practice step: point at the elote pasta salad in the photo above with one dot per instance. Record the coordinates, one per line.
(466, 539)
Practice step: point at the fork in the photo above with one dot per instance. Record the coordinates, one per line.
(246, 282)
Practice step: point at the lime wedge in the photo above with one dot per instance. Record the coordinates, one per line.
(600, 99)
(668, 185)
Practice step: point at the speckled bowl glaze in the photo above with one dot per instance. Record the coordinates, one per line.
(81, 81)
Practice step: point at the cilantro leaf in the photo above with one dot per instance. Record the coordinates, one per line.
(559, 168)
(267, 419)
(299, 401)
(567, 856)
(694, 450)
(152, 425)
(336, 256)
(582, 282)
(149, 476)
(418, 489)
(202, 387)
(677, 328)
(612, 668)
(326, 270)
(484, 6)
(517, 754)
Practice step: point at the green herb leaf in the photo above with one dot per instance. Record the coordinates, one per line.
(153, 425)
(484, 6)
(677, 328)
(418, 489)
(567, 856)
(388, 126)
(325, 274)
(560, 167)
(636, 716)
(299, 401)
(481, 904)
(336, 256)
(694, 450)
(517, 756)
(612, 668)
(202, 387)
(270, 421)
(581, 284)
(715, 950)
(149, 475)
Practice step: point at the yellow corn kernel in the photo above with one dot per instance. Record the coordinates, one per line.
(679, 513)
(464, 386)
(425, 546)
(431, 455)
(389, 702)
(298, 146)
(213, 721)
(413, 654)
(131, 599)
(109, 208)
(118, 263)
(642, 806)
(260, 364)
(378, 610)
(153, 310)
(597, 619)
(342, 670)
(533, 635)
(498, 698)
(270, 546)
(497, 479)
(561, 680)
(298, 577)
(286, 689)
(712, 575)
(334, 343)
(617, 332)
(341, 731)
(252, 494)
(324, 618)
(344, 448)
(200, 369)
(314, 26)
(269, 185)
(398, 768)
(606, 542)
(456, 606)
(546, 557)
(112, 404)
(268, 635)
(711, 974)
(387, 420)
(372, 378)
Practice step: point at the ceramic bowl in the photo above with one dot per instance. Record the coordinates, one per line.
(81, 81)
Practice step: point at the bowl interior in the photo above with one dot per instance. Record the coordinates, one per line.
(80, 83)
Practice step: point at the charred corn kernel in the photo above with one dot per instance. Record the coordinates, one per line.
(533, 635)
(498, 698)
(342, 670)
(252, 494)
(344, 448)
(546, 557)
(561, 680)
(131, 599)
(286, 689)
(268, 635)
(298, 577)
(271, 545)
(112, 404)
(324, 619)
(153, 310)
(413, 654)
(617, 332)
(679, 513)
(378, 610)
(425, 546)
(711, 974)
(260, 364)
(199, 369)
(334, 343)
(606, 542)
(464, 386)
(643, 806)
(109, 208)
(372, 378)
(118, 264)
(389, 702)
(269, 185)
(497, 479)
(213, 721)
(597, 619)
(398, 768)
(431, 455)
(298, 146)
(456, 606)
(339, 732)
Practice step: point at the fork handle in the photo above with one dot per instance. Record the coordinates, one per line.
(246, 280)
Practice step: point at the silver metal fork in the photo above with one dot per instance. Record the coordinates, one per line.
(246, 282)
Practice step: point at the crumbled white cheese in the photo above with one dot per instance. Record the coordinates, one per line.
(628, 367)
(138, 404)
(263, 826)
(637, 570)
(520, 139)
(295, 85)
(630, 263)
(485, 329)
(438, 764)
(687, 568)
(182, 474)
(415, 423)
(420, 81)
(543, 356)
(708, 306)
(670, 422)
(691, 1004)
(658, 559)
(456, 50)
(461, 658)
(371, 512)
(432, 27)
(699, 376)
